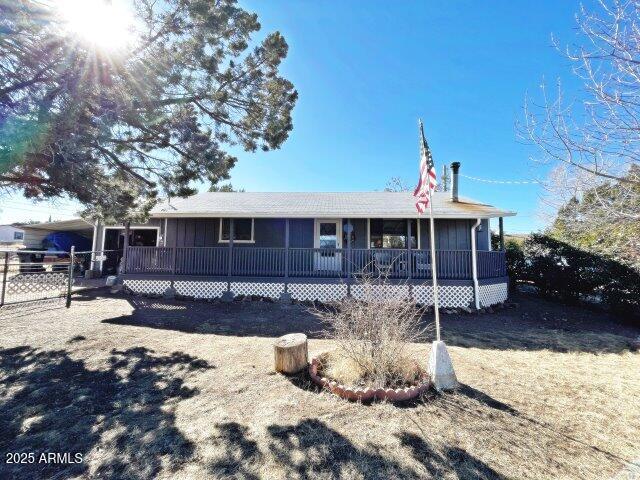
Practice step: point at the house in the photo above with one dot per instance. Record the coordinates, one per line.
(11, 235)
(315, 246)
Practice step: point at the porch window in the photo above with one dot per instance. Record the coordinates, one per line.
(242, 229)
(392, 233)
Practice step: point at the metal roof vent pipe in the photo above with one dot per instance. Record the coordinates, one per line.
(455, 166)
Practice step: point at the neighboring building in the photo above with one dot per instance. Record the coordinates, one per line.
(10, 235)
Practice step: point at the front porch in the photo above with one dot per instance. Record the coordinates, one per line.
(319, 259)
(315, 273)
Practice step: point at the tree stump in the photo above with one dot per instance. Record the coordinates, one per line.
(290, 353)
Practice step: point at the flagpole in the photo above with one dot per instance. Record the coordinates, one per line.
(433, 267)
(441, 370)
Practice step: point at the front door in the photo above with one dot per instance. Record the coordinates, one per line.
(328, 239)
(114, 244)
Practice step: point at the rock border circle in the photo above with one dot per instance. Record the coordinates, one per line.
(363, 395)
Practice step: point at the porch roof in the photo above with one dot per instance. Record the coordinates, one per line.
(320, 205)
(59, 225)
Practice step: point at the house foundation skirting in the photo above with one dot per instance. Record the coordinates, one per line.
(452, 293)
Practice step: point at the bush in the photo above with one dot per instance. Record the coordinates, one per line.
(371, 336)
(515, 263)
(570, 274)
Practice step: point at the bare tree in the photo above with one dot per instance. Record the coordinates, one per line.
(595, 139)
(396, 184)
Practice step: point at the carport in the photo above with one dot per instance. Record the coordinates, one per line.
(106, 241)
(34, 234)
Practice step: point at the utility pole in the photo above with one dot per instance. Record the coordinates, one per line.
(445, 178)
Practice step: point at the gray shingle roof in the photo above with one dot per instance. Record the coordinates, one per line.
(320, 205)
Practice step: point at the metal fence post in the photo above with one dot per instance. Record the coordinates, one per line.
(4, 278)
(70, 277)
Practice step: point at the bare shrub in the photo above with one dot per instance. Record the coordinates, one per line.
(371, 334)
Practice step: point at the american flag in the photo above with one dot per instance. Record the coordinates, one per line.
(427, 181)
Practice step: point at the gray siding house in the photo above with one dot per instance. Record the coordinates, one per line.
(316, 245)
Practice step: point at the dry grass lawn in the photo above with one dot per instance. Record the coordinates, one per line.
(147, 389)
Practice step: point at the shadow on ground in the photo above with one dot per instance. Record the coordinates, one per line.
(536, 324)
(312, 449)
(240, 319)
(119, 416)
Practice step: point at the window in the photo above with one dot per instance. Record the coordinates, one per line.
(328, 235)
(18, 235)
(392, 233)
(242, 229)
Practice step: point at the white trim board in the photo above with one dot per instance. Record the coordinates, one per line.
(316, 231)
(253, 232)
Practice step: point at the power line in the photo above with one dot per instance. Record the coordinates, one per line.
(56, 203)
(52, 211)
(41, 209)
(507, 182)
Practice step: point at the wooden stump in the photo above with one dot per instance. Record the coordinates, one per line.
(290, 353)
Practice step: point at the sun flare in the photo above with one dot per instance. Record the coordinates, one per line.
(107, 25)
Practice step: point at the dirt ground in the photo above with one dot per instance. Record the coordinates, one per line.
(146, 388)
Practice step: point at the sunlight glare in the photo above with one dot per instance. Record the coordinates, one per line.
(107, 25)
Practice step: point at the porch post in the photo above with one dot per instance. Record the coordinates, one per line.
(501, 227)
(174, 258)
(348, 262)
(286, 255)
(230, 265)
(474, 263)
(409, 249)
(125, 247)
(228, 295)
(94, 247)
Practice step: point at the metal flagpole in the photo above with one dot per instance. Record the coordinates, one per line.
(434, 267)
(440, 367)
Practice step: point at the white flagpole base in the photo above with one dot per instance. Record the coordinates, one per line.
(441, 370)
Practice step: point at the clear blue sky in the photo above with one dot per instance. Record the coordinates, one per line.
(365, 71)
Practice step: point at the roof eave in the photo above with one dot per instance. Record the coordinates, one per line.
(336, 215)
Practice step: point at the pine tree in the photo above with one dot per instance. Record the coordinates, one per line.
(115, 129)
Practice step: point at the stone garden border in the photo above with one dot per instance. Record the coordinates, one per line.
(390, 394)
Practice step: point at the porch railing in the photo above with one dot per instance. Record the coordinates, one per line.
(491, 264)
(312, 262)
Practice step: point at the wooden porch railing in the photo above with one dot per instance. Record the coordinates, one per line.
(312, 262)
(491, 264)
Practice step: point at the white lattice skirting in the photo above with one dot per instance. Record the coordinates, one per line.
(451, 296)
(362, 292)
(147, 287)
(492, 294)
(198, 289)
(323, 292)
(263, 289)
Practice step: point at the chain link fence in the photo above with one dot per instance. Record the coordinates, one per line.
(34, 275)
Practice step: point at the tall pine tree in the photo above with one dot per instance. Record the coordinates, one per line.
(113, 128)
